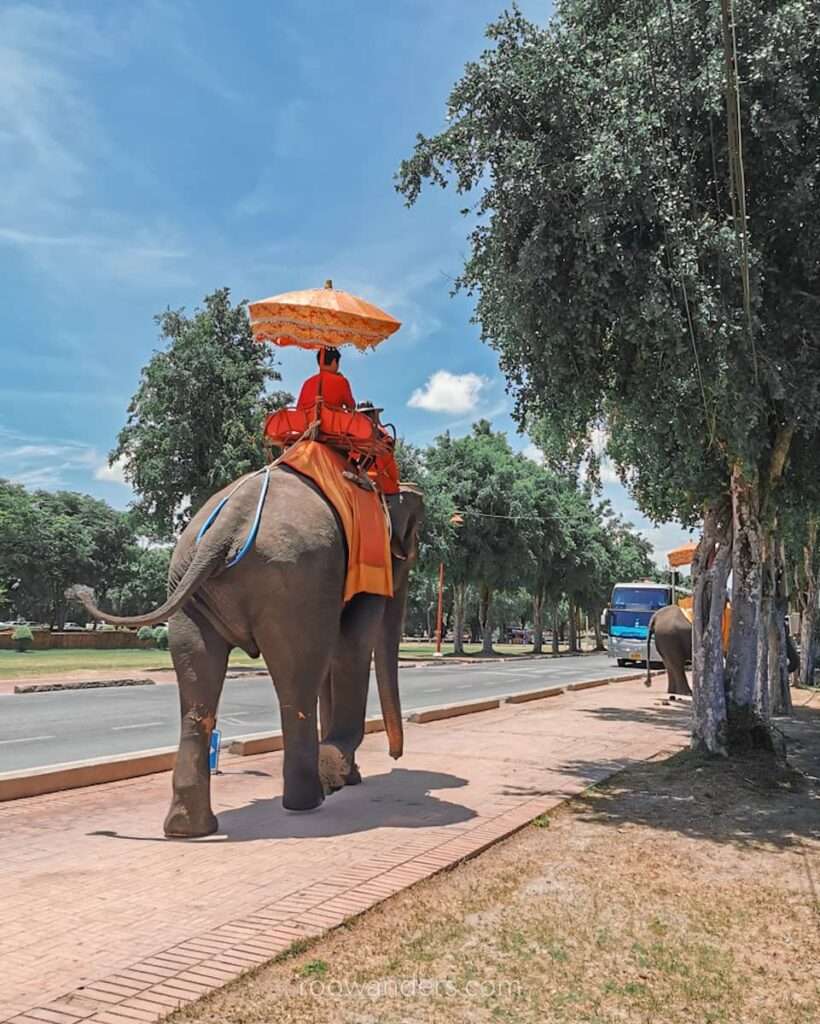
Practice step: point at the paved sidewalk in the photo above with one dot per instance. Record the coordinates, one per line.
(106, 921)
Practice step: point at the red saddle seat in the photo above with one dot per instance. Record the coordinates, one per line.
(349, 431)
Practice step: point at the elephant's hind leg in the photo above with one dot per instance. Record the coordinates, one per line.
(678, 683)
(345, 692)
(298, 659)
(200, 657)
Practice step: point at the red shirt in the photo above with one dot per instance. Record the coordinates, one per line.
(335, 390)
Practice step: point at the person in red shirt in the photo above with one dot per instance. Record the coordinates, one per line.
(328, 382)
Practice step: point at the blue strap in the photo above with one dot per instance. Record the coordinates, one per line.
(209, 521)
(256, 519)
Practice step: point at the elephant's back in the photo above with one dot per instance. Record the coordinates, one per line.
(298, 523)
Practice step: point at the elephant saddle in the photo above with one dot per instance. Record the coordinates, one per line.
(361, 512)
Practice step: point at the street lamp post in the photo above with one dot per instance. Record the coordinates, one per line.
(456, 520)
(438, 613)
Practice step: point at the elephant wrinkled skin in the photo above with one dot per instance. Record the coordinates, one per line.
(283, 600)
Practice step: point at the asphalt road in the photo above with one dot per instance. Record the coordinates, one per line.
(40, 729)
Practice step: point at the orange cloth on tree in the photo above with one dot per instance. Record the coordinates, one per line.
(362, 514)
(335, 390)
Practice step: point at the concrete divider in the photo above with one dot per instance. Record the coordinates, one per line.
(588, 685)
(269, 742)
(452, 711)
(77, 774)
(258, 743)
(522, 698)
(80, 684)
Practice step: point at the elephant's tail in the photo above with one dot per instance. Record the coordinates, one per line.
(649, 633)
(209, 558)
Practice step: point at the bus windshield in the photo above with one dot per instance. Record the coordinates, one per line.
(644, 598)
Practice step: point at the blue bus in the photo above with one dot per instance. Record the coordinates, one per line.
(627, 620)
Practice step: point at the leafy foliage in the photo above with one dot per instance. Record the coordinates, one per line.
(195, 422)
(49, 540)
(606, 259)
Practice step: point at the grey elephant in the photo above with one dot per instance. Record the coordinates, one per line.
(673, 641)
(284, 599)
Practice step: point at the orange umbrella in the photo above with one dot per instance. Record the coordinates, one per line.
(681, 556)
(320, 318)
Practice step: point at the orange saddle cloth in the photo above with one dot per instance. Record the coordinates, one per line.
(362, 514)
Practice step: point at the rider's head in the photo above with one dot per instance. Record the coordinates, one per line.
(328, 358)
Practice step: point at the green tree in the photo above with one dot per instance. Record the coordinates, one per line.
(146, 585)
(633, 267)
(543, 535)
(50, 540)
(195, 422)
(475, 476)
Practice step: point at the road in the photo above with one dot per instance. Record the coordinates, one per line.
(41, 729)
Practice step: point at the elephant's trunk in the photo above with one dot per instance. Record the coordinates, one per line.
(387, 670)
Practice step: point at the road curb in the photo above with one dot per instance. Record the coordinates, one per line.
(80, 684)
(270, 742)
(79, 774)
(453, 711)
(522, 698)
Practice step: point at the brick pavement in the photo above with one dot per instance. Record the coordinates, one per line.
(104, 920)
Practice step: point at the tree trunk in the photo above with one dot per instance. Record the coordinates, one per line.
(537, 623)
(459, 594)
(573, 628)
(764, 629)
(808, 618)
(710, 571)
(780, 693)
(599, 637)
(747, 727)
(555, 625)
(484, 619)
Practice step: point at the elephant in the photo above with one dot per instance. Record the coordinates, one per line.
(283, 600)
(673, 640)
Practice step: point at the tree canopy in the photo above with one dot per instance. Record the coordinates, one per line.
(195, 422)
(50, 540)
(643, 261)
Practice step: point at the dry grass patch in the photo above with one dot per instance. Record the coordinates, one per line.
(683, 892)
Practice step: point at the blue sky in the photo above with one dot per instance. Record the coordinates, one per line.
(153, 151)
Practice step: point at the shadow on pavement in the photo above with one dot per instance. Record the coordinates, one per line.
(667, 714)
(397, 799)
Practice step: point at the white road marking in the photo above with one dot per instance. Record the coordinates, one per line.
(139, 725)
(29, 739)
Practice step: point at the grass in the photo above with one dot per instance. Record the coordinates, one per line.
(679, 892)
(36, 663)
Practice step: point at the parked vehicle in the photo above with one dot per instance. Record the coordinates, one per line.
(627, 620)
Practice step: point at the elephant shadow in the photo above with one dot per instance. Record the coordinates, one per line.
(401, 798)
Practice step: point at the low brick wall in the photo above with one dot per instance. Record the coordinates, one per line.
(108, 640)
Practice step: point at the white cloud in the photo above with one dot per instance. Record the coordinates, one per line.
(449, 392)
(533, 453)
(51, 463)
(114, 474)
